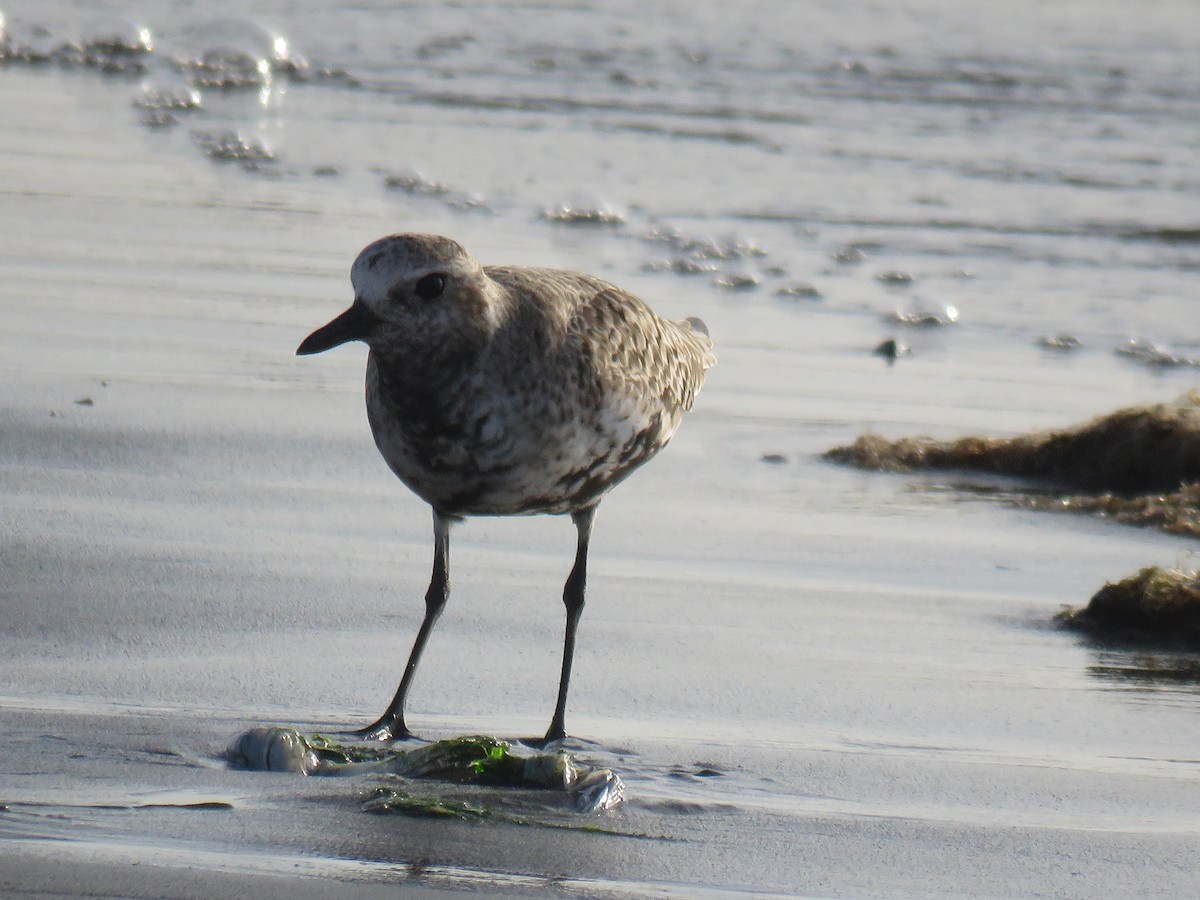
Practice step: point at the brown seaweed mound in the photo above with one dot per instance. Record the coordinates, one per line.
(1139, 465)
(1160, 605)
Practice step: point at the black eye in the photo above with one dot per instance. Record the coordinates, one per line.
(431, 286)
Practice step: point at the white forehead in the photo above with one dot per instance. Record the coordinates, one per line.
(401, 257)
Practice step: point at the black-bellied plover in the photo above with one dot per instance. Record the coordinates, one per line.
(503, 390)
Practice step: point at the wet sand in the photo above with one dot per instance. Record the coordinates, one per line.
(211, 543)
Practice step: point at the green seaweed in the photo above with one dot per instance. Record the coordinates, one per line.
(386, 799)
(467, 758)
(390, 800)
(335, 752)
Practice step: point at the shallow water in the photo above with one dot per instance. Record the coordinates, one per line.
(212, 542)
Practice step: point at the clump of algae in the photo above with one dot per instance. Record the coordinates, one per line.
(1155, 605)
(475, 760)
(1139, 465)
(387, 799)
(472, 758)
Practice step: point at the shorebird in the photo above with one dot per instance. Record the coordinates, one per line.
(504, 390)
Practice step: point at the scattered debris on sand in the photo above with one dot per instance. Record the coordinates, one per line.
(1155, 605)
(473, 759)
(891, 350)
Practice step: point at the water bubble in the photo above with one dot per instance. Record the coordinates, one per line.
(584, 214)
(470, 200)
(235, 54)
(800, 290)
(848, 255)
(413, 182)
(1059, 342)
(159, 118)
(416, 184)
(440, 46)
(683, 265)
(29, 45)
(117, 38)
(924, 316)
(233, 147)
(732, 247)
(736, 281)
(1155, 355)
(170, 96)
(695, 247)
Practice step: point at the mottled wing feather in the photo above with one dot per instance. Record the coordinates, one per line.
(629, 346)
(637, 351)
(630, 374)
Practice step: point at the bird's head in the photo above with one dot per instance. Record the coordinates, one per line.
(411, 290)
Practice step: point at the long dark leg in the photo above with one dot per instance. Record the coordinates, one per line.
(573, 599)
(390, 726)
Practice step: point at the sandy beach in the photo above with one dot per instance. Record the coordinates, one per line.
(814, 681)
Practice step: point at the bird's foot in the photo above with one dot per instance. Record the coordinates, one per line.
(385, 730)
(541, 743)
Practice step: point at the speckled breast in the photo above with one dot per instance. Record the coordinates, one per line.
(473, 447)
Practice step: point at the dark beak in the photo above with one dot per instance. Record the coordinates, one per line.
(355, 324)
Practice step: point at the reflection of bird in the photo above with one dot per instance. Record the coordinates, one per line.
(500, 390)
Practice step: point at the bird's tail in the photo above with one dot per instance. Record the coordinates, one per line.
(700, 331)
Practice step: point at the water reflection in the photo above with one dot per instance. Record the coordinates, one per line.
(1147, 669)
